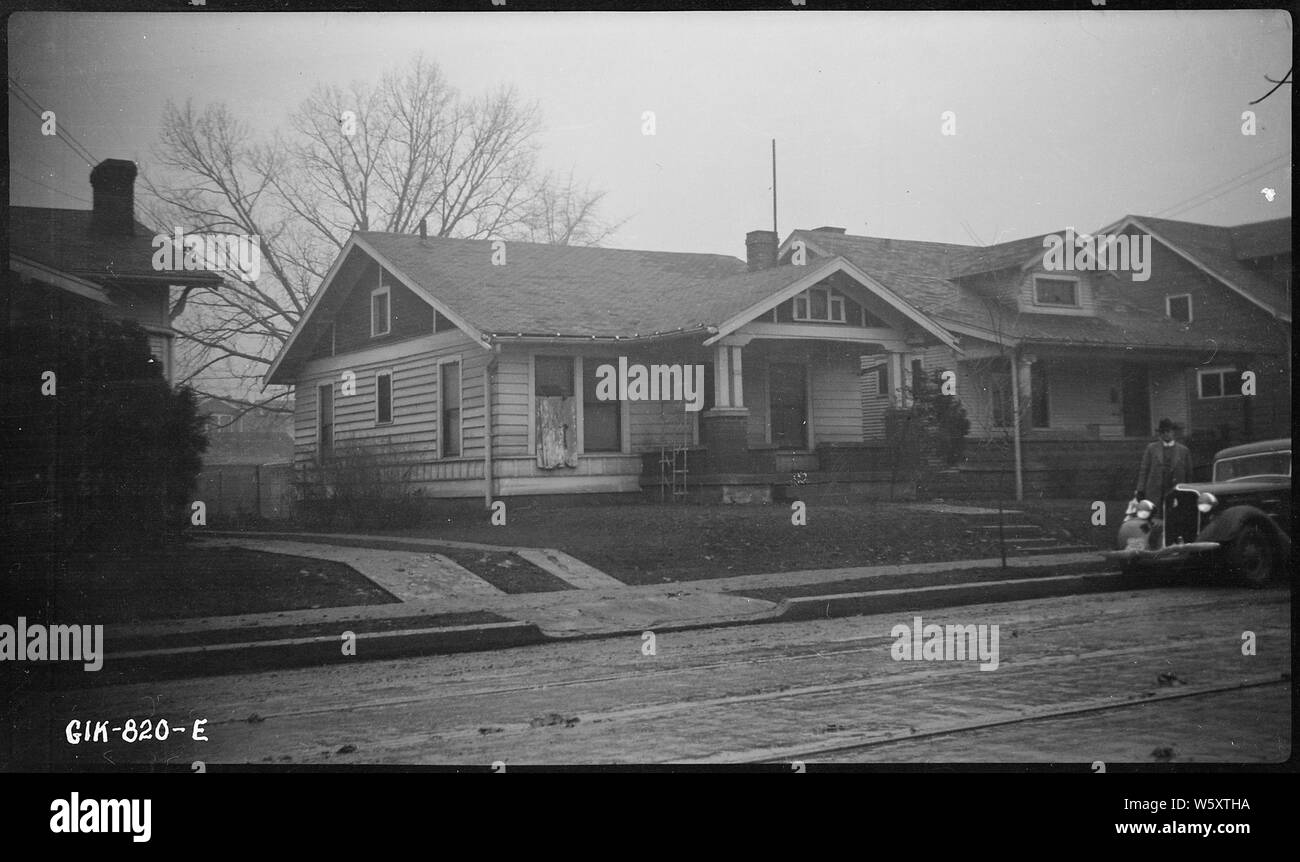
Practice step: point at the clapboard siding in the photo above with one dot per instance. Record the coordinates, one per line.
(836, 405)
(661, 423)
(414, 429)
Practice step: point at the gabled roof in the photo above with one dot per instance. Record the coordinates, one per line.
(932, 277)
(1261, 239)
(563, 290)
(1212, 248)
(66, 240)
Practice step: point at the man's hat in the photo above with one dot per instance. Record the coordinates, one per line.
(1167, 425)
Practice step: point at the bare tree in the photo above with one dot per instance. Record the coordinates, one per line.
(370, 157)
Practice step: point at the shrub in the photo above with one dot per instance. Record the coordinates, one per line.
(110, 459)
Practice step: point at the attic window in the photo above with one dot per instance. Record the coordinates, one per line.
(1179, 307)
(380, 316)
(1056, 291)
(819, 304)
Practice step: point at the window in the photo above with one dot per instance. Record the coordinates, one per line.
(1056, 291)
(819, 304)
(1179, 307)
(1038, 407)
(882, 379)
(383, 398)
(324, 422)
(1000, 390)
(380, 317)
(1218, 383)
(602, 429)
(222, 422)
(554, 376)
(449, 409)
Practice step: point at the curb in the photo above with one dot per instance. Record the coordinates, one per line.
(252, 656)
(954, 595)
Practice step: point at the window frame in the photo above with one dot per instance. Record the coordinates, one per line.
(387, 292)
(1073, 280)
(1169, 311)
(387, 372)
(832, 300)
(1221, 373)
(442, 410)
(582, 366)
(321, 455)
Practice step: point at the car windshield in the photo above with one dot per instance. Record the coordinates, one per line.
(1249, 466)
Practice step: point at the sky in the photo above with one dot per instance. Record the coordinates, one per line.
(1068, 118)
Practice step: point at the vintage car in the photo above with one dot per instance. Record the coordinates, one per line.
(1239, 521)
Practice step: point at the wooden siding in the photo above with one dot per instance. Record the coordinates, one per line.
(836, 402)
(414, 429)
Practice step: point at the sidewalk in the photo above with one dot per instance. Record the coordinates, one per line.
(445, 608)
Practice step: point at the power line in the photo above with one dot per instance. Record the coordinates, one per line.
(60, 128)
(48, 186)
(1250, 175)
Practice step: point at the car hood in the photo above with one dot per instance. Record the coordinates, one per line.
(1234, 489)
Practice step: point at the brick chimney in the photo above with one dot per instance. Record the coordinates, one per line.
(760, 249)
(113, 181)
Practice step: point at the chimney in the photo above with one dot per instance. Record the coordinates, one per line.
(113, 181)
(760, 249)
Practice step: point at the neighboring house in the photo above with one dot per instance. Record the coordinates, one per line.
(239, 434)
(62, 260)
(808, 351)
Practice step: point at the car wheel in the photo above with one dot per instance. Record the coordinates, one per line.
(1252, 556)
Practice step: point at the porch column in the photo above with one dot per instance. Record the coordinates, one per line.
(727, 423)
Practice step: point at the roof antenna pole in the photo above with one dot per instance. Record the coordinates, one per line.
(778, 236)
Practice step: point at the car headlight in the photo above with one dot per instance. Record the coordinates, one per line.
(1145, 508)
(1205, 501)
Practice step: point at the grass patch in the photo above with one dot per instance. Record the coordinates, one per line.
(645, 543)
(176, 583)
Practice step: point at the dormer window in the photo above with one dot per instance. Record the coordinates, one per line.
(1054, 291)
(380, 312)
(819, 304)
(1179, 307)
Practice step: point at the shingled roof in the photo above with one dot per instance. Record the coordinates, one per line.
(66, 240)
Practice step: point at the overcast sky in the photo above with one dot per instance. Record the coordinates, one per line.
(1062, 118)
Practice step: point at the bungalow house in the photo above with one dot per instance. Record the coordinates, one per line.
(65, 260)
(498, 369)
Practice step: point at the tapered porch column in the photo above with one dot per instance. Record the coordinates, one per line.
(726, 425)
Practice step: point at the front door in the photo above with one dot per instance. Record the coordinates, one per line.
(1135, 399)
(788, 394)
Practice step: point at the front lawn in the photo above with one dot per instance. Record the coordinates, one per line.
(175, 583)
(644, 543)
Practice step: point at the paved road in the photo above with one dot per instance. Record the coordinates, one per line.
(1136, 677)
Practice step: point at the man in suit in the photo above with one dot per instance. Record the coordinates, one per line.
(1165, 463)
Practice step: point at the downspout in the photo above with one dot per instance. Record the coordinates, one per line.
(1015, 423)
(488, 371)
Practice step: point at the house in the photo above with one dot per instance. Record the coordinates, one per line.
(62, 261)
(499, 369)
(243, 434)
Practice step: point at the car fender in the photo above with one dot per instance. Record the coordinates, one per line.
(1229, 524)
